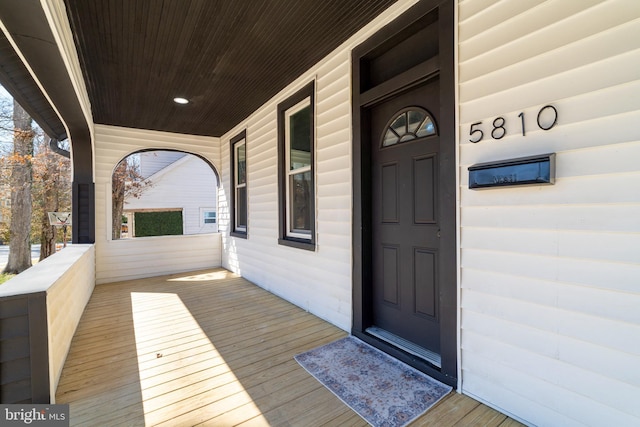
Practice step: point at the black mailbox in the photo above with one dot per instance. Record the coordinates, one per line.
(533, 170)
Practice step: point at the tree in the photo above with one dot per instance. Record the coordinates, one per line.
(20, 227)
(51, 193)
(50, 184)
(126, 182)
(6, 152)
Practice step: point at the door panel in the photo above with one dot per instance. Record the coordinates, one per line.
(390, 275)
(424, 280)
(424, 196)
(390, 193)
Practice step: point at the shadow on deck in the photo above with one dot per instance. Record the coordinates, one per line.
(210, 348)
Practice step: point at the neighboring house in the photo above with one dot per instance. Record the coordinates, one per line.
(179, 182)
(344, 182)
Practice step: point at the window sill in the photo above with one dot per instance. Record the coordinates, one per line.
(298, 243)
(239, 234)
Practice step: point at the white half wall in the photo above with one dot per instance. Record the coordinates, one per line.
(66, 279)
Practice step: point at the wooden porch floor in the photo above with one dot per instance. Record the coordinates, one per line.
(210, 348)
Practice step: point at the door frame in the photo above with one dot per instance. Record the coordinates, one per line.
(362, 97)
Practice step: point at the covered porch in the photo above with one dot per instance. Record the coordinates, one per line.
(541, 281)
(209, 347)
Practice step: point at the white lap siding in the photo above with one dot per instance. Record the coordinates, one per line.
(550, 275)
(319, 281)
(149, 256)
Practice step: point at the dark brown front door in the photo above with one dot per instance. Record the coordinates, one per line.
(404, 190)
(405, 150)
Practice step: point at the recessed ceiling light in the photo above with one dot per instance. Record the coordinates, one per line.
(179, 100)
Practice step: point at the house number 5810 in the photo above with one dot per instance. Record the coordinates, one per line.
(547, 119)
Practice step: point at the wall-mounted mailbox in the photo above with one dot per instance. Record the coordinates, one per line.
(533, 170)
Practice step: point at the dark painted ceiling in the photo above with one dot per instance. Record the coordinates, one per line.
(227, 56)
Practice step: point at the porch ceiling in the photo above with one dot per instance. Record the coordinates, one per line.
(227, 57)
(16, 79)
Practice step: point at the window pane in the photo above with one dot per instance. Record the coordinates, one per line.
(390, 138)
(300, 201)
(241, 207)
(415, 118)
(209, 217)
(241, 163)
(427, 128)
(300, 139)
(399, 125)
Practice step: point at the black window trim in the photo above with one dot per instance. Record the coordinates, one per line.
(232, 206)
(307, 91)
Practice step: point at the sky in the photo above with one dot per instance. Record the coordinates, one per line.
(5, 136)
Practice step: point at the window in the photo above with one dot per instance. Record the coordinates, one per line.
(209, 217)
(296, 170)
(239, 177)
(409, 124)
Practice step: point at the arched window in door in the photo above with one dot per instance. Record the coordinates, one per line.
(408, 124)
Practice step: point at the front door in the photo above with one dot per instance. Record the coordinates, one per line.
(404, 190)
(405, 150)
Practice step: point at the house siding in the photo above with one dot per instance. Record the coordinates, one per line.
(319, 281)
(118, 260)
(154, 161)
(549, 274)
(15, 350)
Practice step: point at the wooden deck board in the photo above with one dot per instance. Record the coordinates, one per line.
(482, 416)
(448, 411)
(209, 348)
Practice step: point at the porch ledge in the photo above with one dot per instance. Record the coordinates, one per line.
(39, 311)
(139, 257)
(45, 274)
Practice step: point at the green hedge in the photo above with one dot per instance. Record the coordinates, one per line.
(158, 223)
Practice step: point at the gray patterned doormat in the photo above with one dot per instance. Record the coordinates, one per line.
(381, 389)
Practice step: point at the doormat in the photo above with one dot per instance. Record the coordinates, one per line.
(381, 389)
